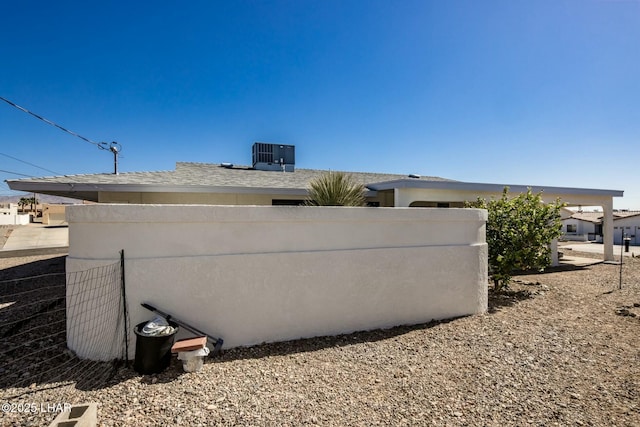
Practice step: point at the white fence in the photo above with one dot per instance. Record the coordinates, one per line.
(253, 274)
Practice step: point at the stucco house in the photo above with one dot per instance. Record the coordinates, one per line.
(588, 226)
(273, 179)
(9, 215)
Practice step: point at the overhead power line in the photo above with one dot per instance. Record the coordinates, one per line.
(114, 147)
(51, 123)
(30, 164)
(14, 173)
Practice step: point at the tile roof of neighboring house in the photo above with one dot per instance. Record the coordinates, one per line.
(596, 217)
(625, 214)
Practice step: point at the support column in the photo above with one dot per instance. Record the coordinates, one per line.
(607, 229)
(402, 197)
(554, 253)
(396, 197)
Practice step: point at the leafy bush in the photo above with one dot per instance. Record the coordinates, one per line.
(519, 232)
(335, 189)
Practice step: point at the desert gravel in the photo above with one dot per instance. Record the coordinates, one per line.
(560, 348)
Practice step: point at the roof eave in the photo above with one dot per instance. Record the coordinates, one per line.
(490, 188)
(58, 188)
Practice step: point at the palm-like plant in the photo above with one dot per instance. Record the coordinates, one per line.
(24, 201)
(335, 189)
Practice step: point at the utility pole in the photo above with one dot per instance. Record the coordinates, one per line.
(115, 149)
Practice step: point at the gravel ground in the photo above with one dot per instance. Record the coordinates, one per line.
(5, 232)
(559, 348)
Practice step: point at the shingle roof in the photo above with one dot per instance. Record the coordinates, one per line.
(214, 175)
(215, 178)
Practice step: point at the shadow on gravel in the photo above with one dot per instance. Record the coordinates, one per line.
(319, 343)
(507, 298)
(556, 269)
(174, 371)
(45, 266)
(512, 296)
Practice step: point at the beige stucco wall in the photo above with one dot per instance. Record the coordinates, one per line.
(191, 198)
(384, 199)
(260, 274)
(53, 214)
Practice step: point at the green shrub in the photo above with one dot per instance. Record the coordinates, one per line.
(519, 232)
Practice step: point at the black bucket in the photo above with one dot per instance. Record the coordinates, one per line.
(153, 353)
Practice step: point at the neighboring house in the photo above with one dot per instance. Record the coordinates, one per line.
(582, 226)
(9, 215)
(626, 224)
(273, 180)
(587, 226)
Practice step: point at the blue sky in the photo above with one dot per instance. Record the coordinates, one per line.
(513, 92)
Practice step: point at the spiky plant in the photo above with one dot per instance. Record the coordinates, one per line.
(335, 189)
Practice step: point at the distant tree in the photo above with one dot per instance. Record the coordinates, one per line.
(24, 201)
(335, 189)
(519, 232)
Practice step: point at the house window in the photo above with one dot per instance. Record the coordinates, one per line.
(572, 228)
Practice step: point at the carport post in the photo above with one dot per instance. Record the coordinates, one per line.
(607, 229)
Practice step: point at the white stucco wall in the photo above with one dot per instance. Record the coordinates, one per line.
(583, 228)
(9, 215)
(406, 196)
(20, 219)
(253, 274)
(630, 226)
